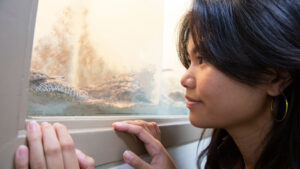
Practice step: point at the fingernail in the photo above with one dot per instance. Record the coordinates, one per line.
(79, 154)
(118, 124)
(128, 155)
(32, 126)
(22, 151)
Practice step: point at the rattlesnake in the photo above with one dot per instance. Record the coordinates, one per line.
(41, 83)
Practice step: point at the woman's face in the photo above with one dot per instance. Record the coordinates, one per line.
(216, 100)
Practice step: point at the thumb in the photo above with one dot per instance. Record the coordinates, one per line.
(135, 161)
(85, 162)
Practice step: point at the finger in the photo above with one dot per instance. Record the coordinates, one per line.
(135, 161)
(151, 127)
(136, 122)
(22, 157)
(85, 162)
(52, 148)
(139, 123)
(157, 130)
(67, 147)
(133, 122)
(152, 145)
(34, 137)
(142, 123)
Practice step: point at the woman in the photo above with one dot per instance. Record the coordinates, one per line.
(242, 79)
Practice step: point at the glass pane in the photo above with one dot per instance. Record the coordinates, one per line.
(99, 57)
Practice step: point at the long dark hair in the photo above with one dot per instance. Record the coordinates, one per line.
(247, 40)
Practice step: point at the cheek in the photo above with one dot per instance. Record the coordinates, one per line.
(211, 90)
(226, 102)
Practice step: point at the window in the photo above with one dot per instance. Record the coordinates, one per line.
(93, 134)
(94, 57)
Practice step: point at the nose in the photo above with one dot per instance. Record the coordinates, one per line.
(188, 81)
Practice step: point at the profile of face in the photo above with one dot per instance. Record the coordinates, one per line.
(216, 100)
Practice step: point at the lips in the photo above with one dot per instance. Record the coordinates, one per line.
(190, 102)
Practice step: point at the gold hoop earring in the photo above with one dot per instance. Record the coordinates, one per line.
(286, 109)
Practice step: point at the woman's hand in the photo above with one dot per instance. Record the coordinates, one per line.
(150, 127)
(50, 147)
(149, 133)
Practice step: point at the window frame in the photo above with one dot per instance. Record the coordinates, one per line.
(94, 135)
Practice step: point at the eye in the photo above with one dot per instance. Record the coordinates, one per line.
(201, 59)
(188, 61)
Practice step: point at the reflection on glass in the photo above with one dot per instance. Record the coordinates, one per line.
(96, 57)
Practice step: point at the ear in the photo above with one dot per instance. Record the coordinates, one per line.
(278, 83)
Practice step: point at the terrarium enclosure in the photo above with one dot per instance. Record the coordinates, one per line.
(99, 57)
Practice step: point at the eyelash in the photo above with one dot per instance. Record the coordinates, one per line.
(201, 59)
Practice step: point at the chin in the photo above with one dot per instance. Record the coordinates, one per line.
(199, 123)
(195, 122)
